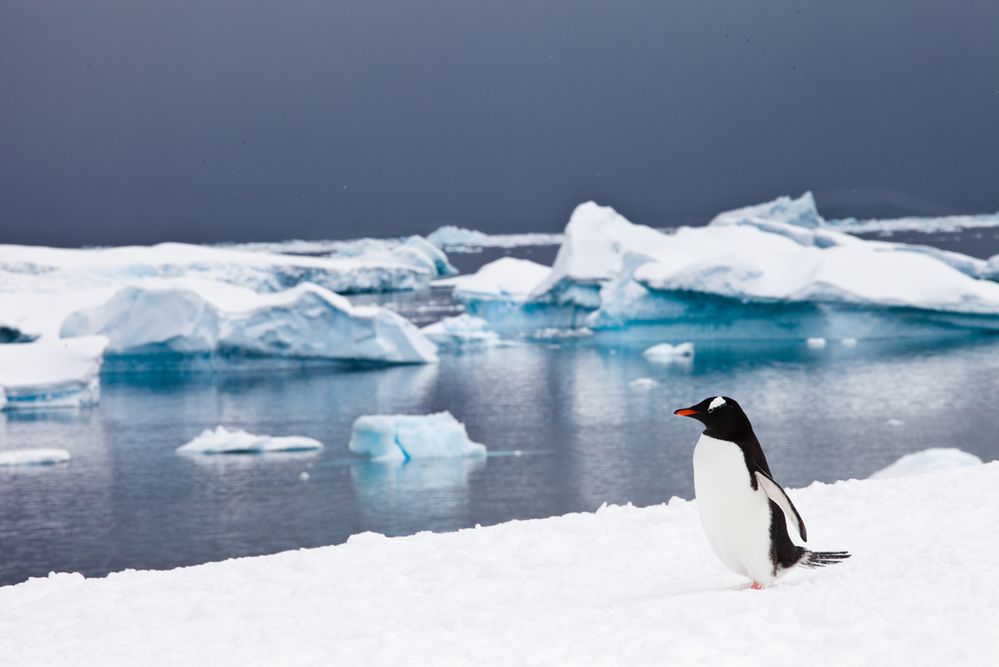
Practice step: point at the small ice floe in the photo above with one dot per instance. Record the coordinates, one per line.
(304, 476)
(461, 330)
(643, 384)
(549, 333)
(849, 342)
(33, 457)
(894, 422)
(816, 343)
(665, 353)
(223, 441)
(404, 437)
(928, 460)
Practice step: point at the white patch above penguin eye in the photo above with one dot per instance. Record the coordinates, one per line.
(717, 403)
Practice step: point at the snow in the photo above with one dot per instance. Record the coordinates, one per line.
(199, 316)
(223, 441)
(405, 437)
(929, 460)
(643, 384)
(460, 330)
(458, 239)
(33, 457)
(665, 353)
(51, 373)
(366, 265)
(624, 585)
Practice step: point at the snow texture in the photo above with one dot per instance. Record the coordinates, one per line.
(33, 457)
(665, 353)
(192, 316)
(51, 373)
(622, 586)
(452, 238)
(927, 461)
(405, 437)
(223, 441)
(461, 330)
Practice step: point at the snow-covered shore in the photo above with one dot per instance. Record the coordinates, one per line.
(624, 585)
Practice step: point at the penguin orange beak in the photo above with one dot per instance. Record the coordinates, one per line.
(686, 412)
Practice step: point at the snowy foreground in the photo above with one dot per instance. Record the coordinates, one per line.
(626, 585)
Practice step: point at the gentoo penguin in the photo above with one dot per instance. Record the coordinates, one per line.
(742, 508)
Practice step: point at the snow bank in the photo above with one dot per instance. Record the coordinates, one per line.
(193, 316)
(624, 585)
(929, 460)
(455, 238)
(461, 330)
(224, 441)
(33, 457)
(405, 437)
(666, 353)
(51, 373)
(370, 266)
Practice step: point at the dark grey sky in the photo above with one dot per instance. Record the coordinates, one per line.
(209, 120)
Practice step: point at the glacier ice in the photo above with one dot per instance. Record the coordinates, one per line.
(193, 316)
(405, 437)
(460, 330)
(224, 441)
(51, 373)
(665, 353)
(33, 457)
(928, 460)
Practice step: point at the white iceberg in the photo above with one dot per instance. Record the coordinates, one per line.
(223, 441)
(205, 317)
(643, 384)
(816, 342)
(33, 457)
(667, 353)
(926, 461)
(461, 330)
(51, 373)
(451, 237)
(505, 279)
(405, 437)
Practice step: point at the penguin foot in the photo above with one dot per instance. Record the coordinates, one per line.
(756, 586)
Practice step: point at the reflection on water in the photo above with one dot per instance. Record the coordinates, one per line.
(128, 500)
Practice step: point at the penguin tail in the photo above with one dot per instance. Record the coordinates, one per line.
(823, 558)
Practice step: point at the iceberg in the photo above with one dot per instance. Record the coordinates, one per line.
(51, 373)
(665, 353)
(207, 317)
(926, 225)
(405, 437)
(461, 330)
(363, 266)
(450, 237)
(33, 457)
(926, 461)
(223, 441)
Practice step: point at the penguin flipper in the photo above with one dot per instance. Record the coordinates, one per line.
(779, 496)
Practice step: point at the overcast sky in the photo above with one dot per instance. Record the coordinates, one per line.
(207, 120)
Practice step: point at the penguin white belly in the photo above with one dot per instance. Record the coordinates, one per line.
(736, 518)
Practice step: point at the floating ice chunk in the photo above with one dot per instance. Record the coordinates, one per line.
(816, 342)
(643, 384)
(849, 342)
(223, 441)
(451, 237)
(461, 330)
(665, 353)
(928, 460)
(404, 437)
(51, 373)
(203, 317)
(32, 457)
(507, 279)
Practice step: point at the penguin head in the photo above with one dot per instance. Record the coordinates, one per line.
(722, 416)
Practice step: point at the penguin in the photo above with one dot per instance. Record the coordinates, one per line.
(745, 512)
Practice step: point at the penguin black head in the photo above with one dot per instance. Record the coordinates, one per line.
(722, 417)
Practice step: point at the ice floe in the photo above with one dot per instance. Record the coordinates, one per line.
(224, 441)
(51, 373)
(461, 330)
(33, 457)
(405, 437)
(192, 316)
(665, 353)
(452, 238)
(926, 461)
(643, 384)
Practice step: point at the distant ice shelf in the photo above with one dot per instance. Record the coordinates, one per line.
(405, 437)
(224, 441)
(458, 239)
